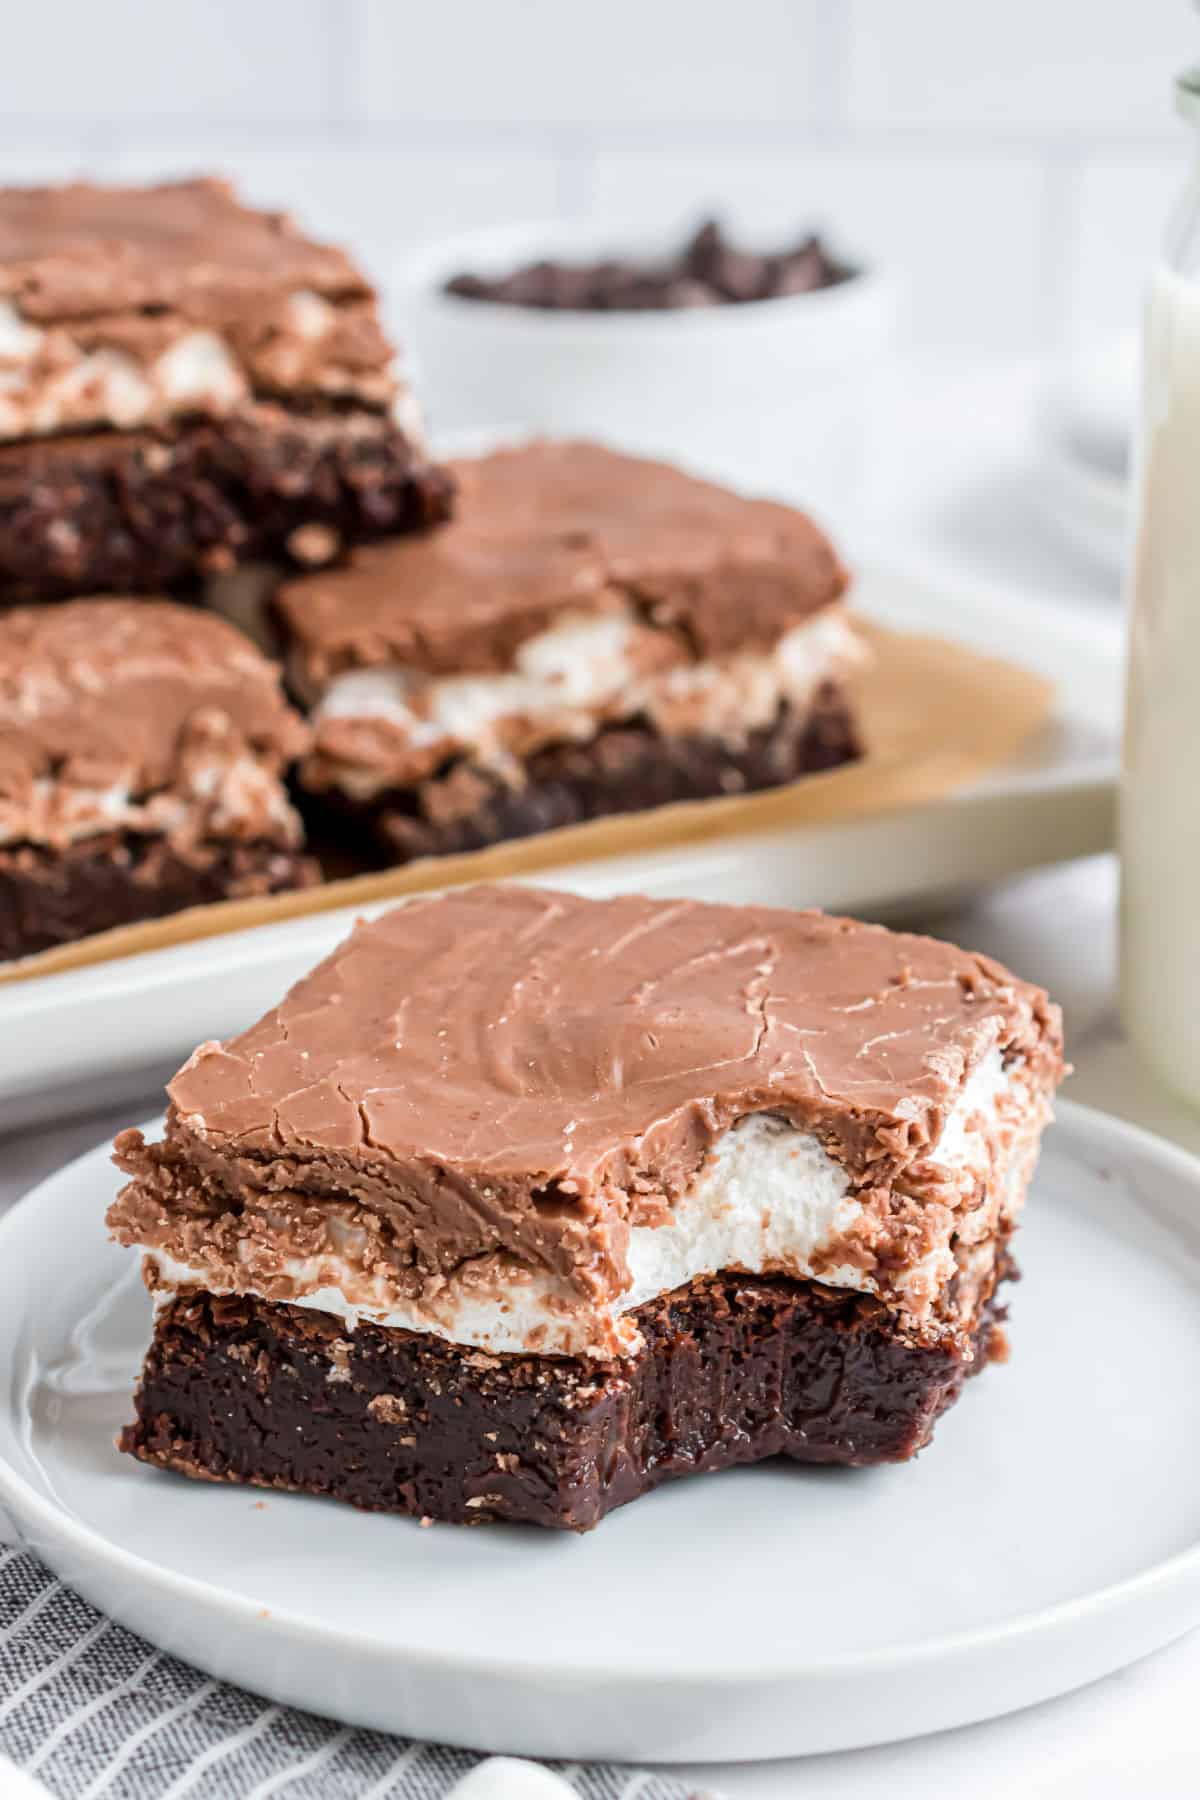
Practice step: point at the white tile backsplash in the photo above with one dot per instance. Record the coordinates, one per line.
(1047, 65)
(544, 61)
(116, 62)
(1013, 163)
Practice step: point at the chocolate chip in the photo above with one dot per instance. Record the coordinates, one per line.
(708, 271)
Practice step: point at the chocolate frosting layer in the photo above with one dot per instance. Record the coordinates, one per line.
(106, 701)
(538, 1038)
(553, 528)
(505, 1073)
(82, 251)
(104, 282)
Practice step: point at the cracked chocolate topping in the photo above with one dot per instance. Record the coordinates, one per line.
(497, 1087)
(79, 251)
(549, 529)
(550, 1048)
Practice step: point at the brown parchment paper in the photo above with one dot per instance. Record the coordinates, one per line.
(935, 716)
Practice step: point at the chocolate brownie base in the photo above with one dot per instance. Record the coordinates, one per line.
(140, 511)
(734, 1370)
(54, 896)
(626, 768)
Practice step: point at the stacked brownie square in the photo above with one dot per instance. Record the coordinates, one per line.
(185, 384)
(521, 1204)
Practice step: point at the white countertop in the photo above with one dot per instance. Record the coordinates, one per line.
(1133, 1734)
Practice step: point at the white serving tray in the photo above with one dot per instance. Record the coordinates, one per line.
(103, 1033)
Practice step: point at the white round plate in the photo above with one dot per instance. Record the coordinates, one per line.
(1049, 1535)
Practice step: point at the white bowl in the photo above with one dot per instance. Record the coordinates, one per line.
(774, 392)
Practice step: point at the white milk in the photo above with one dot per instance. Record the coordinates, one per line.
(1160, 801)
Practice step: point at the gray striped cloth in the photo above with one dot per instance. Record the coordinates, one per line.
(89, 1709)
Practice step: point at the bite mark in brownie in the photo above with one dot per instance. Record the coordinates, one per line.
(731, 1370)
(521, 1203)
(507, 1116)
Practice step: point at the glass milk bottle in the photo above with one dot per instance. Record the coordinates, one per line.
(1160, 794)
